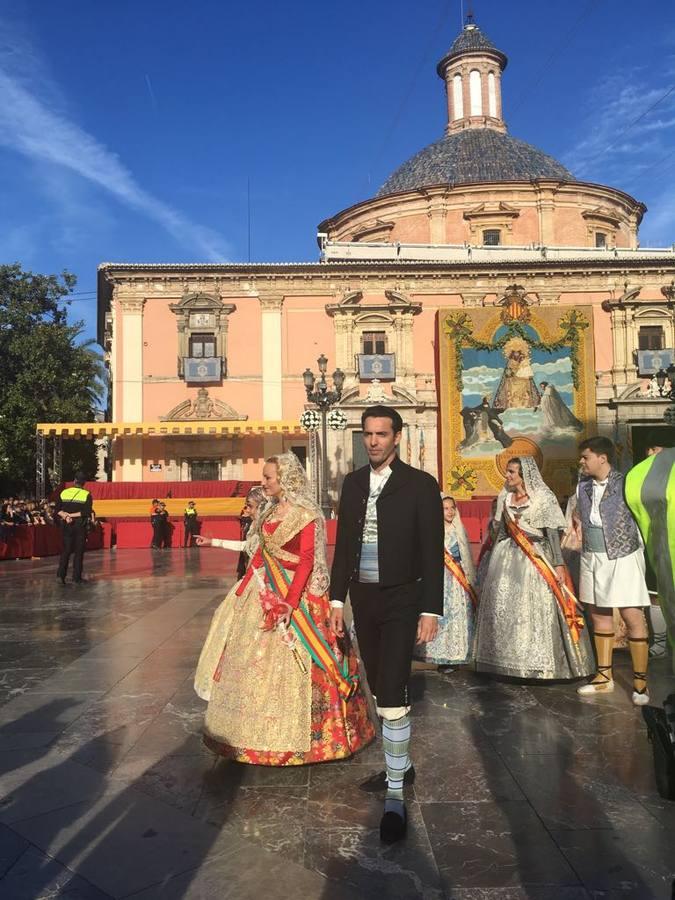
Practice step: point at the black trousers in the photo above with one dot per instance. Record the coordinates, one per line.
(385, 619)
(157, 533)
(74, 539)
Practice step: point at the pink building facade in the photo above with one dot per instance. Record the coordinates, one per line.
(458, 225)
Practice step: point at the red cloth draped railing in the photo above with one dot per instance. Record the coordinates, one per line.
(26, 541)
(189, 490)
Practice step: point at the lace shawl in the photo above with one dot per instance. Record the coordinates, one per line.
(457, 527)
(304, 509)
(543, 510)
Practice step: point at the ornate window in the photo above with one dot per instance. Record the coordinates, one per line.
(651, 337)
(600, 240)
(457, 98)
(475, 93)
(492, 237)
(492, 95)
(373, 342)
(202, 346)
(202, 323)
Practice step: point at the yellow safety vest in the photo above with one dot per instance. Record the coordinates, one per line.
(74, 495)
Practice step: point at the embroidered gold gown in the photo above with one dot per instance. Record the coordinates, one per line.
(268, 704)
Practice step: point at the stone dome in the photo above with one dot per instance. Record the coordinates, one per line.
(478, 155)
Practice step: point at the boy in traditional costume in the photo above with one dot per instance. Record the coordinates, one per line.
(612, 567)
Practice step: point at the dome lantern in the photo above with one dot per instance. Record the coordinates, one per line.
(472, 72)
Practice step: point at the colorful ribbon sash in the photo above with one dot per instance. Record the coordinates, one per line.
(307, 632)
(458, 573)
(566, 600)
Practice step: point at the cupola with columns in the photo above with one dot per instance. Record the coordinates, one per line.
(472, 72)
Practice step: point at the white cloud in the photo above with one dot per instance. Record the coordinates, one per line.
(32, 124)
(627, 145)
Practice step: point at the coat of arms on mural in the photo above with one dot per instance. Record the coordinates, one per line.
(514, 379)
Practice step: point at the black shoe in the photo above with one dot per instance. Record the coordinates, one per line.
(393, 827)
(60, 580)
(378, 783)
(80, 581)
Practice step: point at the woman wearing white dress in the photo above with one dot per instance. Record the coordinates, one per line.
(528, 623)
(452, 645)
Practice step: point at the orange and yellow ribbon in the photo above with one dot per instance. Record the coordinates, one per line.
(566, 599)
(458, 573)
(307, 632)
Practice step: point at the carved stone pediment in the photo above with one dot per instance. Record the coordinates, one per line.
(399, 397)
(492, 210)
(195, 302)
(352, 303)
(602, 214)
(201, 408)
(374, 230)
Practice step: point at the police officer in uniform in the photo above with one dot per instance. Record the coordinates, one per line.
(73, 510)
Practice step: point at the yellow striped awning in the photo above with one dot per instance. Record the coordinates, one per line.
(158, 429)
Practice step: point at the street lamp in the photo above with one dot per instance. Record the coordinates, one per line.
(319, 394)
(669, 414)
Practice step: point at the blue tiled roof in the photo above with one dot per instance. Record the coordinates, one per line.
(471, 38)
(474, 155)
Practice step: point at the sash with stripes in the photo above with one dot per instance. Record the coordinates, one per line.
(307, 632)
(458, 574)
(566, 600)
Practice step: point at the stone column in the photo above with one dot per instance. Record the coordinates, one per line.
(131, 383)
(272, 399)
(437, 213)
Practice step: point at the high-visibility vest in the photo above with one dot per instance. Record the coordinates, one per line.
(74, 495)
(190, 511)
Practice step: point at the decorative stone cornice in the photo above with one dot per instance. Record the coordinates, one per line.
(271, 303)
(131, 305)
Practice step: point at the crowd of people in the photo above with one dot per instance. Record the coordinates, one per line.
(25, 511)
(279, 669)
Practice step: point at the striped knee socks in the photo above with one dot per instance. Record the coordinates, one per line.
(396, 743)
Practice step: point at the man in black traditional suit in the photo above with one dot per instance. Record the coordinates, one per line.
(389, 556)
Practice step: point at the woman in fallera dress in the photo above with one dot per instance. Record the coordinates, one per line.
(453, 643)
(281, 690)
(528, 623)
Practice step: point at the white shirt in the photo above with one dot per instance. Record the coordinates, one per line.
(599, 488)
(377, 483)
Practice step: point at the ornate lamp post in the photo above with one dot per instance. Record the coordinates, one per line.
(319, 394)
(669, 414)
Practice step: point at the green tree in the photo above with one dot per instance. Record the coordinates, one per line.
(47, 374)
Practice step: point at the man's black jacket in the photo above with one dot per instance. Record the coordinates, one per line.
(409, 528)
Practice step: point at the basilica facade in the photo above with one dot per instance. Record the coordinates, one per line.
(470, 221)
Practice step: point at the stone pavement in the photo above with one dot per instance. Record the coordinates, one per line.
(107, 792)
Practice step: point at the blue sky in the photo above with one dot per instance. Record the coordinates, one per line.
(129, 130)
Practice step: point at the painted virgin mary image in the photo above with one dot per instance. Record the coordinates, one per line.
(517, 388)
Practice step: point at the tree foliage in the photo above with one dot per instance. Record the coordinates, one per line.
(47, 374)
